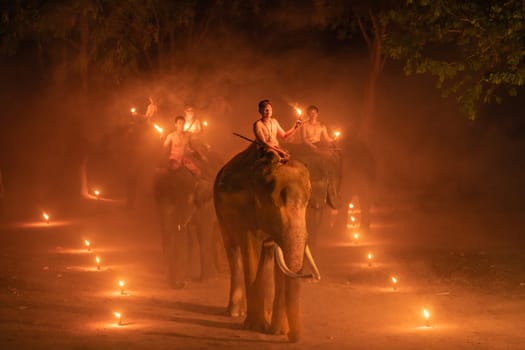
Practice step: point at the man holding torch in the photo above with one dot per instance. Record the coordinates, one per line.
(314, 133)
(267, 129)
(178, 143)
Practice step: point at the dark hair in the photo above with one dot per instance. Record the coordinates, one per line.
(263, 104)
(312, 107)
(179, 117)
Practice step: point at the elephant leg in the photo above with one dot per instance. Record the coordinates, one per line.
(279, 318)
(292, 293)
(237, 302)
(179, 259)
(255, 292)
(206, 243)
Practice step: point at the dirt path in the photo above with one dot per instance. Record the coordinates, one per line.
(473, 284)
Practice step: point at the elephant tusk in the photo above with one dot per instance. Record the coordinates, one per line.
(308, 253)
(279, 257)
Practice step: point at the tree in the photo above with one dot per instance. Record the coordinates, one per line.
(475, 49)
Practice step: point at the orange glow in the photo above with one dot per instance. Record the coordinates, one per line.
(87, 244)
(97, 193)
(158, 128)
(298, 111)
(426, 316)
(356, 236)
(118, 315)
(352, 218)
(133, 109)
(97, 259)
(350, 206)
(394, 282)
(336, 134)
(205, 123)
(46, 217)
(121, 284)
(370, 256)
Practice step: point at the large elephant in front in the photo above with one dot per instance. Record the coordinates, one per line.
(261, 208)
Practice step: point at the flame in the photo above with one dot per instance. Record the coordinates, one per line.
(133, 109)
(370, 256)
(336, 134)
(87, 243)
(158, 128)
(205, 123)
(352, 218)
(45, 216)
(97, 259)
(426, 314)
(97, 193)
(394, 280)
(121, 283)
(298, 111)
(356, 237)
(350, 206)
(117, 315)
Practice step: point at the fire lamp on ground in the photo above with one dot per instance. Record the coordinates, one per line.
(133, 110)
(97, 260)
(121, 285)
(46, 217)
(370, 257)
(88, 245)
(426, 316)
(97, 194)
(355, 237)
(336, 134)
(394, 283)
(118, 315)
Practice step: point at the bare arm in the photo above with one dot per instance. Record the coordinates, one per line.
(325, 136)
(286, 134)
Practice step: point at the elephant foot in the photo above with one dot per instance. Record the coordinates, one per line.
(293, 337)
(279, 328)
(236, 311)
(178, 284)
(258, 325)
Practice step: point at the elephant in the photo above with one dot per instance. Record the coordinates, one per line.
(261, 209)
(188, 220)
(325, 167)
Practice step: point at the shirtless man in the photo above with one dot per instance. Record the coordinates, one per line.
(267, 129)
(192, 124)
(178, 143)
(314, 132)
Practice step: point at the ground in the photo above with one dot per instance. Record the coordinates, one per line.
(466, 266)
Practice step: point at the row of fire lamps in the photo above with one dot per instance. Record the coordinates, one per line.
(352, 225)
(87, 245)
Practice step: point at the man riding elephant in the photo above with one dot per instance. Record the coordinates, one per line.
(260, 200)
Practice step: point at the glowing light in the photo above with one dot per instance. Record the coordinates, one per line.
(426, 316)
(352, 218)
(336, 134)
(87, 244)
(356, 237)
(97, 193)
(298, 111)
(97, 260)
(370, 256)
(46, 217)
(133, 110)
(394, 283)
(121, 284)
(350, 206)
(205, 123)
(158, 128)
(118, 315)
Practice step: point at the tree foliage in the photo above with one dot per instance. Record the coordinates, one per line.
(475, 49)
